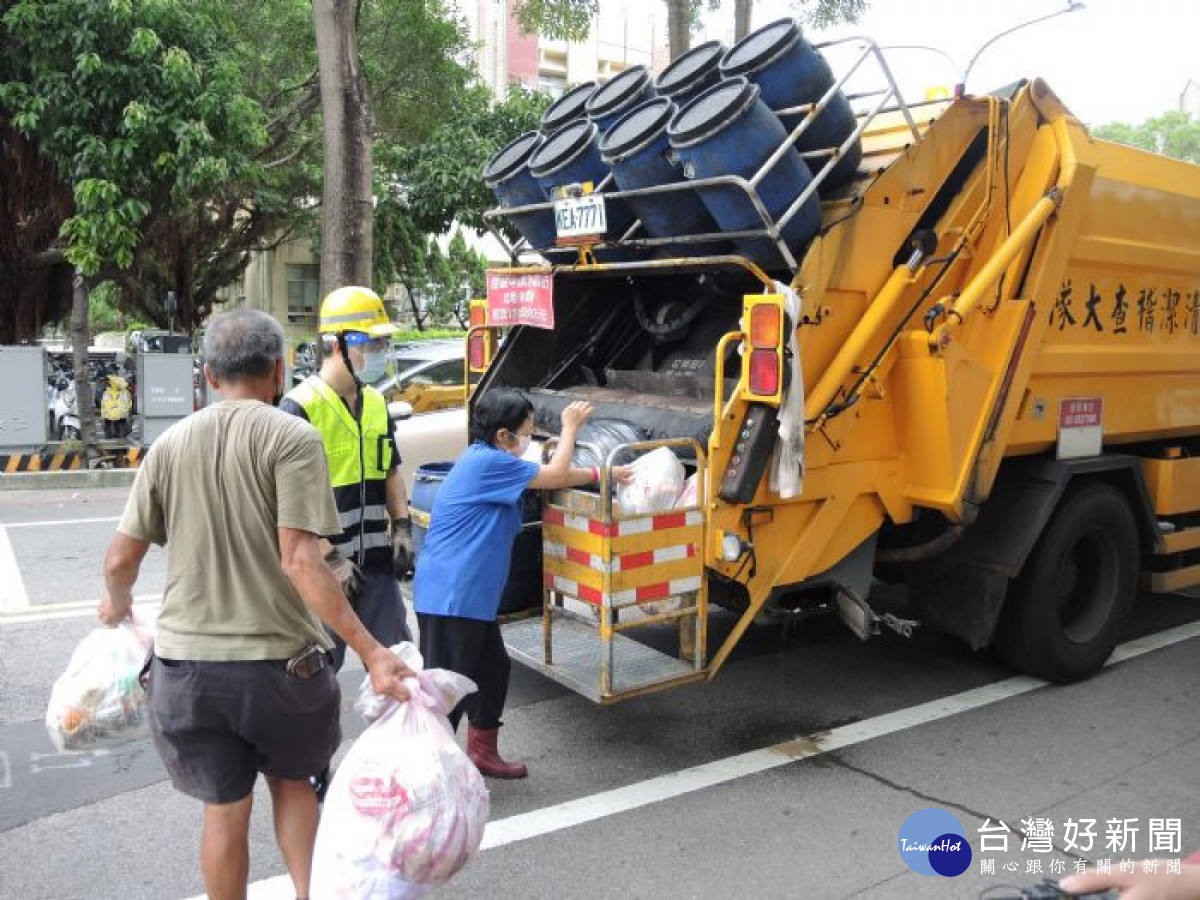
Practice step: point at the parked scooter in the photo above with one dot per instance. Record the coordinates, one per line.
(66, 413)
(116, 407)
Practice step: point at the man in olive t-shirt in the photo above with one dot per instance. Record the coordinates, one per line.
(240, 682)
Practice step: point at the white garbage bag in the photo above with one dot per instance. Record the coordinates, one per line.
(656, 484)
(98, 700)
(406, 809)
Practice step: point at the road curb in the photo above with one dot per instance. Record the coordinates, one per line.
(61, 480)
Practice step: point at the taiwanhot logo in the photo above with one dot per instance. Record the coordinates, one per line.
(933, 842)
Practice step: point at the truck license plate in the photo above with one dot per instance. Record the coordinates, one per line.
(579, 217)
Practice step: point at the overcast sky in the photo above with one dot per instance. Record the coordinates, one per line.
(1112, 60)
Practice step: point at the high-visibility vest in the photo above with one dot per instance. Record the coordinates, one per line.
(357, 470)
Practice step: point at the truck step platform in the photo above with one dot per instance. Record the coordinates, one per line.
(578, 658)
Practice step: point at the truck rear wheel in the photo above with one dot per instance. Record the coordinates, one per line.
(1064, 614)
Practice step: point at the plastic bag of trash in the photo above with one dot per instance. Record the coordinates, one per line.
(406, 809)
(656, 484)
(601, 436)
(691, 492)
(99, 699)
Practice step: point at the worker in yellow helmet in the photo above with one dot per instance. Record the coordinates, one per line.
(360, 446)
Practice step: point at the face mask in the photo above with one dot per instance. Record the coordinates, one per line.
(521, 446)
(374, 366)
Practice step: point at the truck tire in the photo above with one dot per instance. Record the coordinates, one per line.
(1064, 613)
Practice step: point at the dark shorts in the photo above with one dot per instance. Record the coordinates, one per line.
(216, 725)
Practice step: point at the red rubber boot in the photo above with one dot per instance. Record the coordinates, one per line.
(481, 750)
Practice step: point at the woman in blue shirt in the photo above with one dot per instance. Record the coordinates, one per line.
(463, 564)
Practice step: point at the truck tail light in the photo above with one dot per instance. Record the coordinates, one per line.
(764, 372)
(477, 353)
(480, 343)
(765, 327)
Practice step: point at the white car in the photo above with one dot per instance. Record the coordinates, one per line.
(427, 438)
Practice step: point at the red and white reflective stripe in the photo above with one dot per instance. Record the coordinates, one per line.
(658, 591)
(626, 527)
(624, 563)
(634, 595)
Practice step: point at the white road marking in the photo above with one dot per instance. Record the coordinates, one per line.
(13, 597)
(146, 605)
(5, 772)
(59, 523)
(540, 822)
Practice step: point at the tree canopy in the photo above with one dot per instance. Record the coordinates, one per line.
(1175, 134)
(155, 144)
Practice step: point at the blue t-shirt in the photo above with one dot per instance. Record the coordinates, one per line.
(476, 516)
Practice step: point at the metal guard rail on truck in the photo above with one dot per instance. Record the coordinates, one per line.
(772, 230)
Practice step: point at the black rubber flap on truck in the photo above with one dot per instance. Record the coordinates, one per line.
(568, 107)
(562, 147)
(638, 127)
(759, 48)
(614, 93)
(509, 160)
(714, 109)
(690, 68)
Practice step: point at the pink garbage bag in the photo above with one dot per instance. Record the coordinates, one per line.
(406, 809)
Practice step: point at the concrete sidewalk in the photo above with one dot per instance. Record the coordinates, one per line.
(62, 480)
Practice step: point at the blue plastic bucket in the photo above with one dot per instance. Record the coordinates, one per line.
(691, 73)
(427, 481)
(728, 130)
(618, 96)
(566, 109)
(791, 73)
(572, 156)
(638, 151)
(510, 180)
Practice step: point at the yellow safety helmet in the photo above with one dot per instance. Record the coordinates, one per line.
(355, 309)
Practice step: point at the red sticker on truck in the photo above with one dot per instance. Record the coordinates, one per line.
(520, 299)
(1080, 412)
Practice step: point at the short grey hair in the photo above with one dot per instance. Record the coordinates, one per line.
(243, 343)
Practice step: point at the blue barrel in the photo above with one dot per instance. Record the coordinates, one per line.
(692, 73)
(728, 130)
(617, 97)
(566, 109)
(572, 156)
(638, 151)
(427, 481)
(791, 72)
(510, 180)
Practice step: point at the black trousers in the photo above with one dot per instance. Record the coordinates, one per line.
(380, 608)
(475, 649)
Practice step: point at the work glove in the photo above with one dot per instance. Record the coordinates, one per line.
(404, 558)
(346, 572)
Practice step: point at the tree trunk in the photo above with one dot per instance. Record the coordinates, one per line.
(741, 18)
(679, 26)
(80, 339)
(348, 206)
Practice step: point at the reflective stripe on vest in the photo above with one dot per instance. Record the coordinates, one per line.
(360, 506)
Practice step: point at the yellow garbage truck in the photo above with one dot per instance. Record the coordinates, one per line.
(985, 367)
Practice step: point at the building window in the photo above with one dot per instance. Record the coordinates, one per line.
(554, 85)
(303, 290)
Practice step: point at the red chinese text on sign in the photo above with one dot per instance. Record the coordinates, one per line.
(520, 299)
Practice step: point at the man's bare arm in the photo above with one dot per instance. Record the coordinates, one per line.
(122, 563)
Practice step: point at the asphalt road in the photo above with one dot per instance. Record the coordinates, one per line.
(790, 775)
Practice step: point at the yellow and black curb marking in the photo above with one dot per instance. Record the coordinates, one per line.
(67, 460)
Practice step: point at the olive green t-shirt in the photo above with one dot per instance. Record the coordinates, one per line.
(213, 489)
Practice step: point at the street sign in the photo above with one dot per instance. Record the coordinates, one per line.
(520, 299)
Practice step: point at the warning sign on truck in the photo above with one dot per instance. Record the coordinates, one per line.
(1080, 427)
(520, 299)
